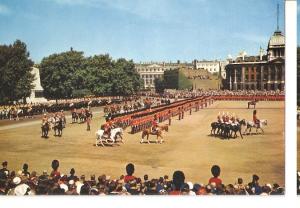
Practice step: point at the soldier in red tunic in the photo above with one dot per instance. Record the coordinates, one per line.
(44, 120)
(154, 124)
(255, 119)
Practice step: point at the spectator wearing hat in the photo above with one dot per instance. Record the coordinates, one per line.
(146, 180)
(25, 171)
(15, 182)
(178, 181)
(266, 190)
(196, 188)
(254, 185)
(276, 190)
(72, 175)
(4, 172)
(240, 187)
(129, 171)
(85, 189)
(215, 170)
(55, 173)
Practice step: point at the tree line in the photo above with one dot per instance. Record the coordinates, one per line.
(65, 75)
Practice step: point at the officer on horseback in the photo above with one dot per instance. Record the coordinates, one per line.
(233, 120)
(107, 127)
(219, 118)
(44, 119)
(255, 119)
(63, 117)
(154, 125)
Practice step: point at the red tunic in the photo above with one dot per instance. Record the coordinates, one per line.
(154, 123)
(217, 181)
(255, 120)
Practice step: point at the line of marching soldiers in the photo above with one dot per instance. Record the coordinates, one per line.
(166, 113)
(144, 119)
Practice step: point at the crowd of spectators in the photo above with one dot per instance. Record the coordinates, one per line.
(130, 103)
(29, 110)
(24, 182)
(196, 93)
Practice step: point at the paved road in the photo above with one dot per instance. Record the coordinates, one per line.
(30, 123)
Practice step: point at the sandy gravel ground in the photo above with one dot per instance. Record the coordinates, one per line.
(187, 147)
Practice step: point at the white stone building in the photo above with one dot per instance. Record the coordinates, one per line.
(212, 66)
(151, 70)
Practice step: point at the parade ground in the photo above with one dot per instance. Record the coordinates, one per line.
(188, 147)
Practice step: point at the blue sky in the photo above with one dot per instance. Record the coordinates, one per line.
(142, 30)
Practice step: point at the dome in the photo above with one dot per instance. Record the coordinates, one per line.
(276, 39)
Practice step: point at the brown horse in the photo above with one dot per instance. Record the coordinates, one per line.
(158, 133)
(253, 102)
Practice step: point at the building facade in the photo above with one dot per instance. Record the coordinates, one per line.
(151, 70)
(215, 66)
(262, 72)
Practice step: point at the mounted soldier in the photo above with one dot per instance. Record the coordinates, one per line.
(219, 118)
(223, 117)
(107, 127)
(44, 119)
(255, 119)
(154, 125)
(45, 126)
(63, 118)
(233, 120)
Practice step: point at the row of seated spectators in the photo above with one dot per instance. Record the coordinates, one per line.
(24, 182)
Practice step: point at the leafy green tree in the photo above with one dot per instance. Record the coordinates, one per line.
(125, 78)
(62, 73)
(97, 74)
(107, 77)
(15, 72)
